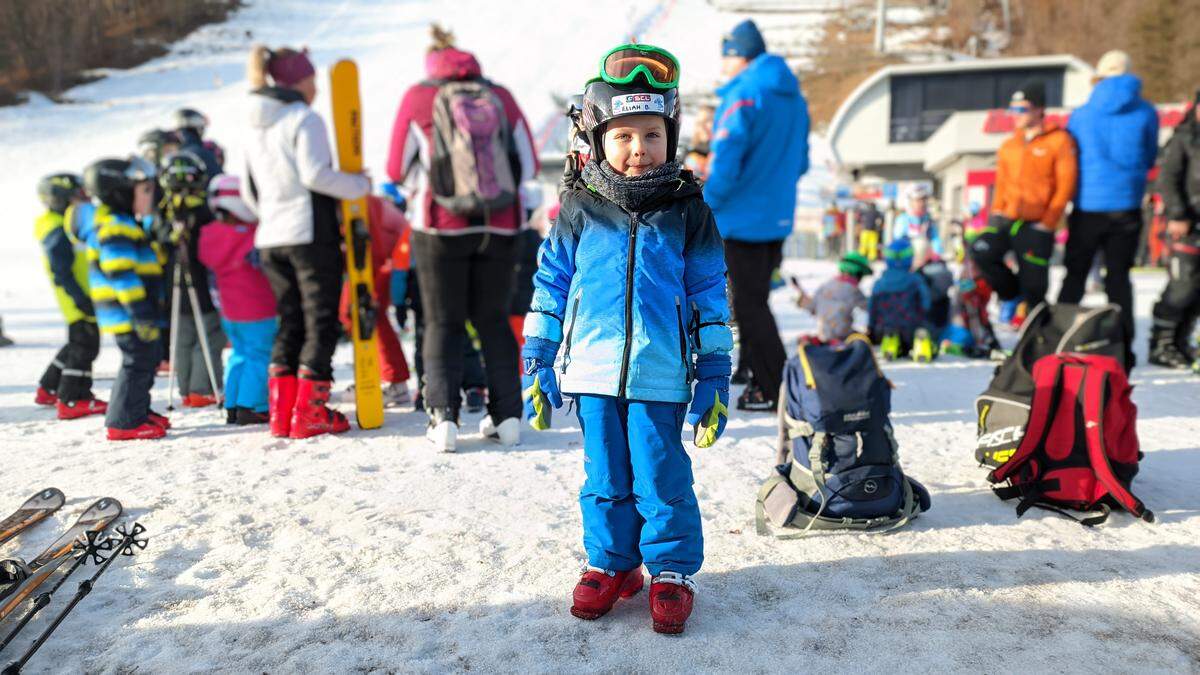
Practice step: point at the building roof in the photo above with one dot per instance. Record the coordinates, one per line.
(883, 74)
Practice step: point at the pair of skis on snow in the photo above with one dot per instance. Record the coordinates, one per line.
(21, 580)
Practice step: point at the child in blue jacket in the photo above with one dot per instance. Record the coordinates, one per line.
(629, 296)
(898, 311)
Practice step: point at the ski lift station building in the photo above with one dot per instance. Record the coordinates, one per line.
(943, 121)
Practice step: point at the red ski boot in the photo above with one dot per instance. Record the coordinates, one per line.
(598, 590)
(671, 596)
(77, 409)
(43, 397)
(160, 420)
(281, 400)
(311, 416)
(199, 400)
(147, 430)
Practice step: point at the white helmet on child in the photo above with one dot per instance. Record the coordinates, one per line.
(225, 194)
(918, 191)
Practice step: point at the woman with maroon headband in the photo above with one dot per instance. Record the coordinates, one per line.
(290, 183)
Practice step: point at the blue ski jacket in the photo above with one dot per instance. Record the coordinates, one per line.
(1116, 132)
(759, 152)
(631, 298)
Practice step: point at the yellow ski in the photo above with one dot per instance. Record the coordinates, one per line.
(347, 126)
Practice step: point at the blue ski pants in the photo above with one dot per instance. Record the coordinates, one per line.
(637, 499)
(246, 372)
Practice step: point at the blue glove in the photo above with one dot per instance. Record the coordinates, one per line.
(710, 401)
(399, 286)
(539, 383)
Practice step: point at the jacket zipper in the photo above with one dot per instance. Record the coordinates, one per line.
(683, 352)
(633, 228)
(571, 332)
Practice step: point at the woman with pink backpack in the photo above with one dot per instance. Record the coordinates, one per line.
(462, 149)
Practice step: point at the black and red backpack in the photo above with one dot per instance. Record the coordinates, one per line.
(1080, 448)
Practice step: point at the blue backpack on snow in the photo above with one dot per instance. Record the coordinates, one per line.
(838, 466)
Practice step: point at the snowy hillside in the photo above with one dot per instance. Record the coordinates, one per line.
(370, 552)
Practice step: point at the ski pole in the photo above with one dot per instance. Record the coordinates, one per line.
(124, 546)
(85, 546)
(194, 300)
(173, 339)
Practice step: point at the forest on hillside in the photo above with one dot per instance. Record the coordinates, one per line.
(48, 45)
(1155, 33)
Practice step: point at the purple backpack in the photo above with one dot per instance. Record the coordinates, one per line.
(472, 168)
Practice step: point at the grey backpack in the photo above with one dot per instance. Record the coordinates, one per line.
(471, 170)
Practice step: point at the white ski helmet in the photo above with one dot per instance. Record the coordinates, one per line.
(225, 194)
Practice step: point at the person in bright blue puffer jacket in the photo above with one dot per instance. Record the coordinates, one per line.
(759, 151)
(1116, 132)
(629, 299)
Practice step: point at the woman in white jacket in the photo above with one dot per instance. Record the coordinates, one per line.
(292, 186)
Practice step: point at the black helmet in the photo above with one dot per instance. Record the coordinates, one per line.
(112, 180)
(604, 102)
(150, 144)
(58, 190)
(183, 172)
(186, 118)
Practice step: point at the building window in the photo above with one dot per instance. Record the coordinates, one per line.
(921, 103)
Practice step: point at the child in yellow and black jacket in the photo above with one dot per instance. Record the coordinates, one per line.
(125, 277)
(67, 382)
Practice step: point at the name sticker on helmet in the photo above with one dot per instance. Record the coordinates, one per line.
(638, 103)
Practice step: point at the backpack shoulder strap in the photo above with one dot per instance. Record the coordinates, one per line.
(1040, 422)
(1094, 385)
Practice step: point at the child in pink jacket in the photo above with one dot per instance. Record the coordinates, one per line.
(247, 305)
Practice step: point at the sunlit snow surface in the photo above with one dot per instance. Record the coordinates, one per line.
(369, 551)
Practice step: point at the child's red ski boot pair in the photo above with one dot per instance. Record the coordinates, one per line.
(155, 426)
(298, 405)
(671, 596)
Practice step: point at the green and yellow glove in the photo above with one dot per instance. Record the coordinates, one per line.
(709, 410)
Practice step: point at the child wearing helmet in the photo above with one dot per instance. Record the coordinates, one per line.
(226, 247)
(915, 225)
(899, 305)
(67, 382)
(629, 310)
(835, 300)
(124, 280)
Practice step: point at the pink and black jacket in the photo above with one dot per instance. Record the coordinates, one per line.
(412, 143)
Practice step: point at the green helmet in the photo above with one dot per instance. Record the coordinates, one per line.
(855, 264)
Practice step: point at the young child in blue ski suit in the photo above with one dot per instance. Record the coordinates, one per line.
(630, 296)
(900, 301)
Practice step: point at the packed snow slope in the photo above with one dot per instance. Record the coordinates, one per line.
(371, 552)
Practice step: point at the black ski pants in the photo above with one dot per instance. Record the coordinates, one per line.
(1179, 304)
(750, 265)
(129, 403)
(467, 277)
(1116, 235)
(473, 375)
(307, 283)
(1032, 247)
(69, 375)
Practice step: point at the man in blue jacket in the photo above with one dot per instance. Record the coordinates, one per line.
(1117, 135)
(759, 152)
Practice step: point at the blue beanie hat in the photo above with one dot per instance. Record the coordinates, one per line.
(899, 254)
(744, 41)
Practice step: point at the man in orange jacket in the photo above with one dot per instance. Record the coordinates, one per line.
(1036, 171)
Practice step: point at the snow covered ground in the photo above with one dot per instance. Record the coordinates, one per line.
(371, 552)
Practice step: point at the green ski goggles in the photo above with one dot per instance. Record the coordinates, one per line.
(624, 63)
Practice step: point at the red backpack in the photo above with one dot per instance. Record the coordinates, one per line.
(1080, 448)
